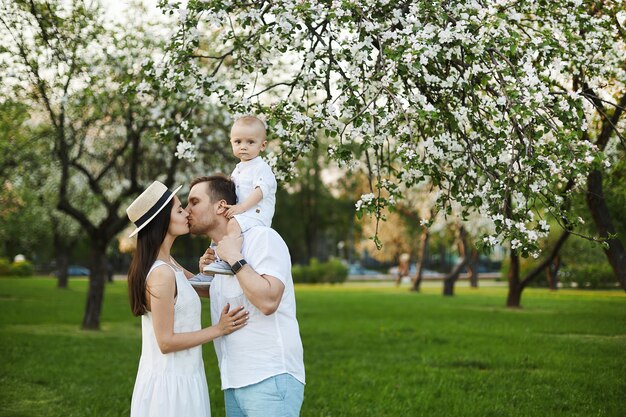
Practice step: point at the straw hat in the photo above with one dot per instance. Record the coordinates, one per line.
(149, 204)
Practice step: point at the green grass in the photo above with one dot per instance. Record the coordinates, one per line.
(369, 351)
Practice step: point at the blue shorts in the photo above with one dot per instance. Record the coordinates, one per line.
(277, 396)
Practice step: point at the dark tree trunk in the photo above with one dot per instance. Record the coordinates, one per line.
(109, 271)
(62, 261)
(421, 260)
(472, 266)
(552, 273)
(604, 225)
(453, 276)
(595, 195)
(95, 294)
(61, 253)
(514, 297)
(515, 286)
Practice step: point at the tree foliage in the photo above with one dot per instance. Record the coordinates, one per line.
(78, 73)
(477, 98)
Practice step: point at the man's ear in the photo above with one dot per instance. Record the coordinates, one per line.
(221, 209)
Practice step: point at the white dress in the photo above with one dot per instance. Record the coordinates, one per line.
(172, 384)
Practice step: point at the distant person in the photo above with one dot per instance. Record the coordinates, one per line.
(255, 184)
(171, 379)
(261, 366)
(403, 268)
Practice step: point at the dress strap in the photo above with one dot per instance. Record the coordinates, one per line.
(157, 264)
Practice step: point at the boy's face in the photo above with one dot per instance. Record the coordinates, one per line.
(247, 141)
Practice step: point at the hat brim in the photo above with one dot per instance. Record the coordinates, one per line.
(147, 222)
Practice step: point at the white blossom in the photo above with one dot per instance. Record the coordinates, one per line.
(186, 150)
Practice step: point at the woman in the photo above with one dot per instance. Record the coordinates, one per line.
(171, 379)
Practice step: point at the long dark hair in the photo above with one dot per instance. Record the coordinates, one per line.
(149, 240)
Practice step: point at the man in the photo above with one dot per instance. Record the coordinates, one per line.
(261, 365)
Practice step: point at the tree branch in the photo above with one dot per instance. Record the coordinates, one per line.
(539, 269)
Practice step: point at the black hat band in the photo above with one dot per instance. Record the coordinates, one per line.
(155, 209)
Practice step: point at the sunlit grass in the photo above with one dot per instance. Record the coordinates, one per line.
(370, 350)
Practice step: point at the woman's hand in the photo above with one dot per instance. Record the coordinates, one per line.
(207, 258)
(232, 320)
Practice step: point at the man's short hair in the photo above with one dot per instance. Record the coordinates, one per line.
(219, 187)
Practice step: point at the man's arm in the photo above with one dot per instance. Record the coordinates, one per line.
(263, 291)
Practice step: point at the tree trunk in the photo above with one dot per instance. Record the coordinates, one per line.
(604, 225)
(453, 276)
(62, 261)
(61, 253)
(421, 256)
(552, 272)
(515, 286)
(95, 294)
(472, 266)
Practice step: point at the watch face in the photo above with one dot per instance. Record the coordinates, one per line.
(238, 265)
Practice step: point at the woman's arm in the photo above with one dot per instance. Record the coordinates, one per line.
(161, 292)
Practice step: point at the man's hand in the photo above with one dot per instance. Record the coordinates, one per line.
(207, 258)
(229, 249)
(233, 210)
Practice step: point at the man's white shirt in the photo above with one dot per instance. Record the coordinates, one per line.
(267, 345)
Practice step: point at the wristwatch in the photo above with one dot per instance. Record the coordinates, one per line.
(236, 267)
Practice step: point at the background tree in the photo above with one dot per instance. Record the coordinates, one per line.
(78, 74)
(471, 97)
(25, 223)
(311, 215)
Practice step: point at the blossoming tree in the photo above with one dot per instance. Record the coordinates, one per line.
(78, 73)
(487, 100)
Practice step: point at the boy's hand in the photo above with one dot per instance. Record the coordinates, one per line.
(232, 210)
(207, 258)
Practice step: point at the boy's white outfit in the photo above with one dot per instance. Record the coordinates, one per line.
(247, 176)
(267, 345)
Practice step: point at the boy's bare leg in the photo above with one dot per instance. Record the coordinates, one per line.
(232, 228)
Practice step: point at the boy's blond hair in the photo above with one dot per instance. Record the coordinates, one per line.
(253, 121)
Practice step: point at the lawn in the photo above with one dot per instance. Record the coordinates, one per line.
(370, 350)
